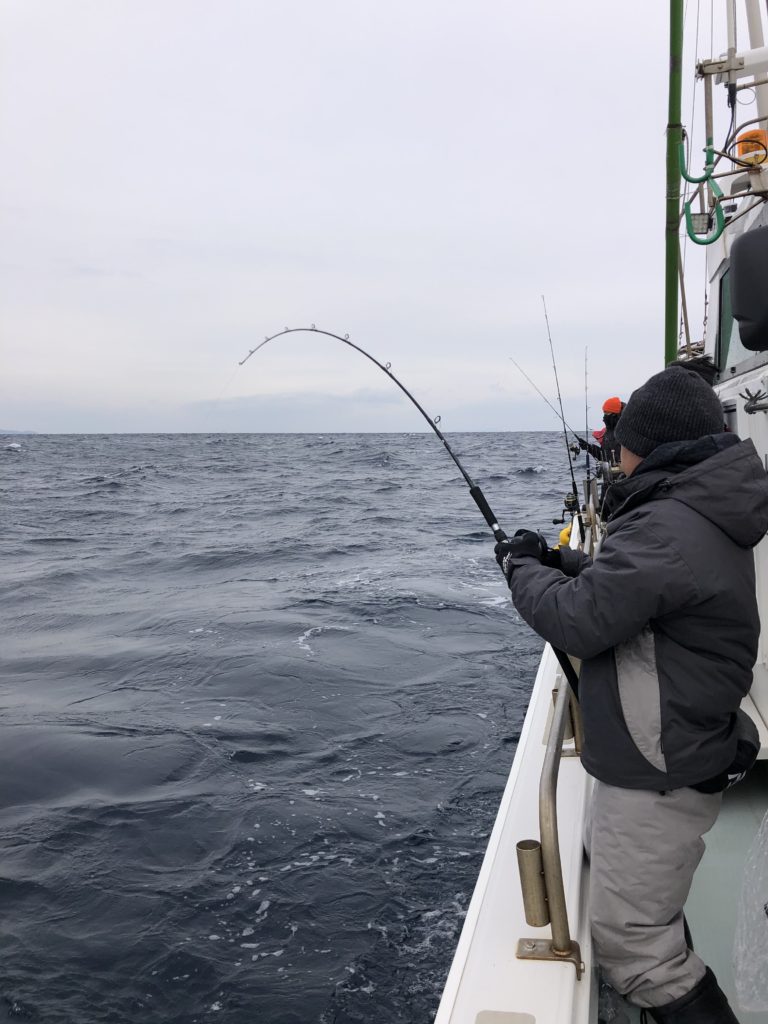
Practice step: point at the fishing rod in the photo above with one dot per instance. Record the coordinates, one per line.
(477, 495)
(586, 417)
(541, 393)
(474, 490)
(575, 492)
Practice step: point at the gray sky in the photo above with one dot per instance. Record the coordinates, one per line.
(180, 178)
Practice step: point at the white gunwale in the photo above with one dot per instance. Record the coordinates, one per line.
(486, 979)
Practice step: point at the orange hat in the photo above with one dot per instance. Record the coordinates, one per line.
(612, 405)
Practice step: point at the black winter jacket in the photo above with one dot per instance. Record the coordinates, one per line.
(609, 449)
(665, 619)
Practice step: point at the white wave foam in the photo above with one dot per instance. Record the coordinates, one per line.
(302, 641)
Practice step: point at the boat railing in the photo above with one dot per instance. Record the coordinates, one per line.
(541, 871)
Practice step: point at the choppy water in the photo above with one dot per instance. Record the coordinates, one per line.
(260, 695)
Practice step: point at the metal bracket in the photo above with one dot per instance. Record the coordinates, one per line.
(542, 949)
(719, 67)
(753, 183)
(758, 179)
(733, 65)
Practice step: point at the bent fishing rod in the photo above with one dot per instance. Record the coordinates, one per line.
(477, 495)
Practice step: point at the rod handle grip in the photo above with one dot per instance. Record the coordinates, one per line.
(485, 508)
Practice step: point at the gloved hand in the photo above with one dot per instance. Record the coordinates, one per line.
(565, 559)
(524, 543)
(582, 443)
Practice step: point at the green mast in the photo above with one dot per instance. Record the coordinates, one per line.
(674, 138)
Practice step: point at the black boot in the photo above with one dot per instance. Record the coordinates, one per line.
(704, 1004)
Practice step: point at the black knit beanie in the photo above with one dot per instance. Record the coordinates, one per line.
(674, 405)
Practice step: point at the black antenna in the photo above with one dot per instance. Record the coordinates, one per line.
(562, 417)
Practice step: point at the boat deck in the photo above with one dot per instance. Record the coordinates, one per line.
(713, 904)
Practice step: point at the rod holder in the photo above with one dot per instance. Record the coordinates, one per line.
(531, 869)
(568, 731)
(560, 947)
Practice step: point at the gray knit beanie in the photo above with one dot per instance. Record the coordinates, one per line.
(674, 405)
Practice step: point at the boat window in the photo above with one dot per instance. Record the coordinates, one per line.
(730, 351)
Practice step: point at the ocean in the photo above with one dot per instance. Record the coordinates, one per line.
(260, 697)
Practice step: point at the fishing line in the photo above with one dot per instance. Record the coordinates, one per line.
(226, 387)
(474, 490)
(562, 417)
(211, 405)
(541, 393)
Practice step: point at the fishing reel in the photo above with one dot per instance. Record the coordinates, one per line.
(570, 508)
(607, 472)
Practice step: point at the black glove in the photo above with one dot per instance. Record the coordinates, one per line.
(565, 559)
(524, 543)
(584, 445)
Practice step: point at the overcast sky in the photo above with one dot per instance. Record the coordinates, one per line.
(180, 178)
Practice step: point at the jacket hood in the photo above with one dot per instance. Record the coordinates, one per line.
(719, 476)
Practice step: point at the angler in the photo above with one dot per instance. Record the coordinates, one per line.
(608, 448)
(660, 688)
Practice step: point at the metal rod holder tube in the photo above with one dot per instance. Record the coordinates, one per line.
(532, 881)
(568, 731)
(550, 844)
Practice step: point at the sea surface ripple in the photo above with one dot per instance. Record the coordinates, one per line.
(260, 696)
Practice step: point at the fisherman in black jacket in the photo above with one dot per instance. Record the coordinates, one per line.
(666, 624)
(608, 450)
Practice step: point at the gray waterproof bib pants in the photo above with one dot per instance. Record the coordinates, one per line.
(644, 848)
